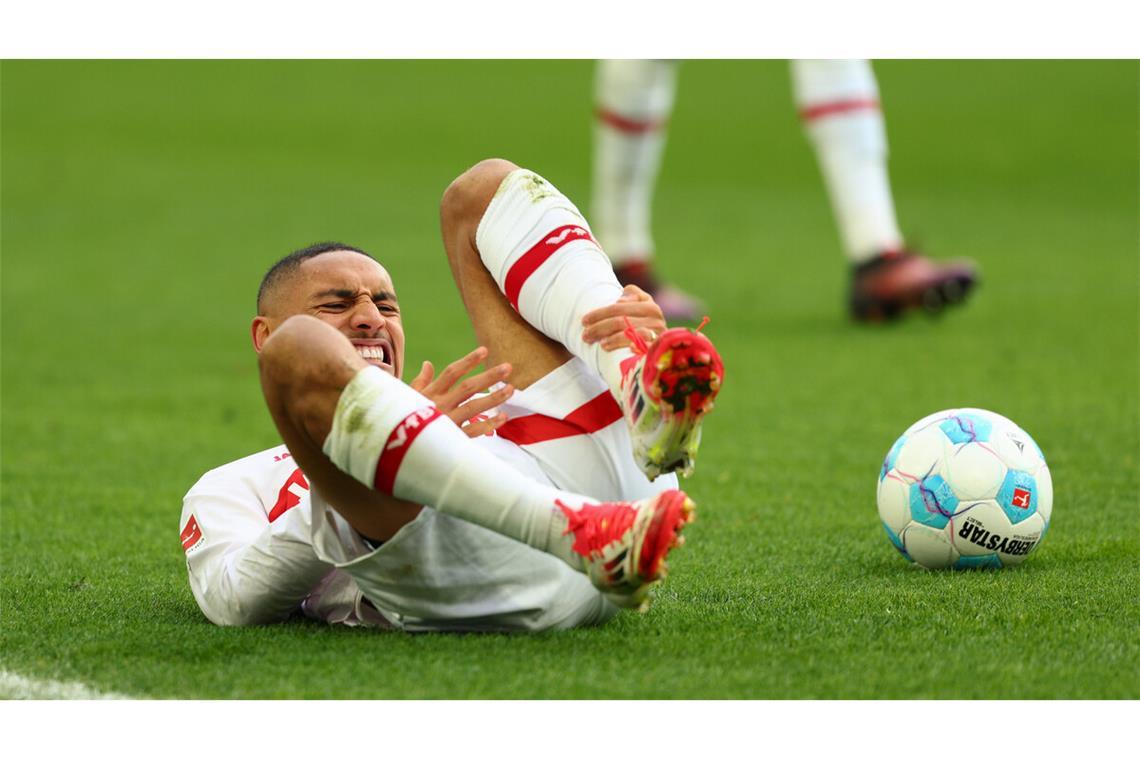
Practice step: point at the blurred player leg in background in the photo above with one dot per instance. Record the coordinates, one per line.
(838, 102)
(634, 100)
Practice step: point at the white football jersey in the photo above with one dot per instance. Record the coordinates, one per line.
(247, 534)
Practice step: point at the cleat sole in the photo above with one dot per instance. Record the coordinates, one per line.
(666, 399)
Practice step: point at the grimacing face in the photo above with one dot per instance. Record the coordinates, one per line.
(352, 293)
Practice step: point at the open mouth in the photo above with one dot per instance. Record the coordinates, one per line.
(377, 353)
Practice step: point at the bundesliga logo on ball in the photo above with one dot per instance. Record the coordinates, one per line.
(965, 488)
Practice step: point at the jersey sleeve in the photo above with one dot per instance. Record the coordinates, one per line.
(246, 569)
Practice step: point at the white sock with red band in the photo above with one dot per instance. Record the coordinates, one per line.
(634, 101)
(839, 105)
(391, 438)
(544, 258)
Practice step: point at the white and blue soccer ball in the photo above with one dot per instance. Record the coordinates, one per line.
(965, 488)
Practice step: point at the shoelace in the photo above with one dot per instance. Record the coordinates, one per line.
(638, 344)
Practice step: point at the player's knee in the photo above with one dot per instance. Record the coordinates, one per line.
(283, 357)
(468, 196)
(304, 365)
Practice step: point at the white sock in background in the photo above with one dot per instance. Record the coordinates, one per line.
(839, 104)
(634, 100)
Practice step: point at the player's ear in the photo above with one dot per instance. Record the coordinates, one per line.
(259, 330)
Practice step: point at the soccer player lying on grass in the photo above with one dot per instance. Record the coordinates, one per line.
(546, 506)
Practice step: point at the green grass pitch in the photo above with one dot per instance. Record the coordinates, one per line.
(142, 201)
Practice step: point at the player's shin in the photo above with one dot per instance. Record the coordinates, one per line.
(542, 254)
(540, 251)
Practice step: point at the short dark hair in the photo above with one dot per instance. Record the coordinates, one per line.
(289, 264)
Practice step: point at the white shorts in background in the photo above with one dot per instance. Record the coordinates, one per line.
(440, 573)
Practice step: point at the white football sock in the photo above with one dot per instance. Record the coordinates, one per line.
(390, 438)
(634, 100)
(542, 254)
(839, 104)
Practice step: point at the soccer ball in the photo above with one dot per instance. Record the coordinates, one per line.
(965, 488)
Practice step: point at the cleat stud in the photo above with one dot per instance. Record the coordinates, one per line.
(952, 291)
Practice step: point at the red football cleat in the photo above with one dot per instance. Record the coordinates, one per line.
(667, 388)
(623, 545)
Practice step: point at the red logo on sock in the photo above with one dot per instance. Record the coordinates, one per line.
(564, 233)
(1020, 498)
(399, 441)
(529, 262)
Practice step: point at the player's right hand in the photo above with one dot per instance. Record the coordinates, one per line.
(452, 394)
(607, 325)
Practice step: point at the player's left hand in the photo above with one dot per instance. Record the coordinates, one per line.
(607, 325)
(452, 394)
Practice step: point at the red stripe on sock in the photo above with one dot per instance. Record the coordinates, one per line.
(397, 445)
(818, 111)
(530, 261)
(629, 126)
(591, 417)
